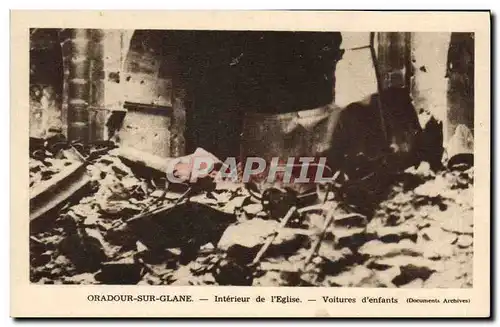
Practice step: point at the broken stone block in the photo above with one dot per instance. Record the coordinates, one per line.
(82, 279)
(350, 237)
(41, 259)
(279, 264)
(234, 204)
(334, 261)
(120, 235)
(351, 278)
(386, 276)
(436, 250)
(118, 209)
(350, 220)
(228, 186)
(204, 199)
(85, 252)
(122, 272)
(150, 279)
(432, 189)
(377, 248)
(397, 233)
(253, 209)
(229, 272)
(416, 283)
(244, 240)
(188, 226)
(327, 250)
(270, 278)
(464, 241)
(183, 167)
(418, 262)
(437, 234)
(452, 277)
(410, 272)
(457, 220)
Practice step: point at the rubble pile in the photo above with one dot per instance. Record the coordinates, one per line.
(44, 164)
(130, 230)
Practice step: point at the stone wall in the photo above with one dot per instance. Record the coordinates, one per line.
(45, 84)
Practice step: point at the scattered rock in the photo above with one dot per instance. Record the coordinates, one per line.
(447, 279)
(377, 248)
(464, 241)
(350, 220)
(350, 237)
(436, 250)
(386, 276)
(229, 272)
(123, 272)
(242, 241)
(410, 272)
(253, 209)
(458, 220)
(234, 204)
(83, 279)
(351, 278)
(418, 262)
(437, 234)
(416, 283)
(397, 233)
(431, 189)
(85, 252)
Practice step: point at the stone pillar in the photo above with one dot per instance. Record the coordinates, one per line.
(460, 72)
(429, 82)
(76, 46)
(393, 57)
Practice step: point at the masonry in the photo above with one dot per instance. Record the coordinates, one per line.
(186, 89)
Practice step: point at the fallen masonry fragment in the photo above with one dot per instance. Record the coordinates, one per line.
(130, 227)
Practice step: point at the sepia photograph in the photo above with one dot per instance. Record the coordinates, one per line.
(112, 112)
(236, 164)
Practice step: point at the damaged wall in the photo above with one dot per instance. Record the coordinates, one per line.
(100, 71)
(355, 73)
(443, 80)
(199, 90)
(146, 87)
(45, 82)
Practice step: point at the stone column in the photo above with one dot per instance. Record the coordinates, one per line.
(429, 82)
(393, 57)
(460, 72)
(76, 46)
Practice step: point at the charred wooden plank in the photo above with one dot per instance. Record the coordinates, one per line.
(53, 193)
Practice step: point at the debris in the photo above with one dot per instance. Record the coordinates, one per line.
(229, 272)
(410, 272)
(377, 248)
(460, 149)
(438, 235)
(136, 230)
(244, 240)
(436, 250)
(85, 252)
(187, 225)
(352, 278)
(82, 279)
(253, 209)
(464, 241)
(350, 237)
(123, 272)
(397, 233)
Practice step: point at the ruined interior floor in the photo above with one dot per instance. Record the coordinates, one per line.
(420, 236)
